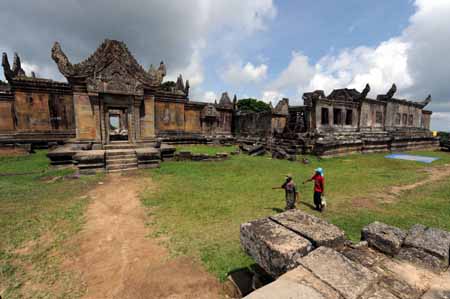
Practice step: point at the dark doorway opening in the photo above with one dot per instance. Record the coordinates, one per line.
(117, 125)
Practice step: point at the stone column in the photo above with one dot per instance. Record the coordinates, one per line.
(148, 120)
(86, 118)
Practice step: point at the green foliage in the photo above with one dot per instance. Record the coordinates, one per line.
(445, 136)
(252, 105)
(168, 85)
(199, 206)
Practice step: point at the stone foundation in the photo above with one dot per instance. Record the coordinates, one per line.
(389, 263)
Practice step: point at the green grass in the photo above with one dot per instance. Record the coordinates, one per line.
(199, 205)
(36, 215)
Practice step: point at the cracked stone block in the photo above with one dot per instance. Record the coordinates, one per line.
(298, 283)
(275, 248)
(427, 246)
(440, 288)
(350, 279)
(400, 288)
(318, 231)
(363, 254)
(378, 293)
(385, 238)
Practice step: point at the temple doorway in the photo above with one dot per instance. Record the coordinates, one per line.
(117, 125)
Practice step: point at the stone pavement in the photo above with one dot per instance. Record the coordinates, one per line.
(388, 263)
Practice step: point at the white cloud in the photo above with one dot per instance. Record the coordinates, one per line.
(417, 61)
(169, 30)
(271, 96)
(237, 74)
(298, 73)
(209, 96)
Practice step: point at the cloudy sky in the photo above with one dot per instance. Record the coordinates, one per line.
(254, 48)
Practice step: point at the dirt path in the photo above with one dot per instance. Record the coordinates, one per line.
(434, 174)
(118, 260)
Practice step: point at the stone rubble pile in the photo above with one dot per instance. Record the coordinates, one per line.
(189, 156)
(312, 259)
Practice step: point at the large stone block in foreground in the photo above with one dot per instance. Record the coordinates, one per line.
(299, 283)
(427, 246)
(350, 279)
(275, 248)
(385, 238)
(316, 230)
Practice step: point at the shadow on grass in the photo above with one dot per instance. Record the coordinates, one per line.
(307, 204)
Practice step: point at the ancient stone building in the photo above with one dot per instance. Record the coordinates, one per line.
(348, 121)
(110, 97)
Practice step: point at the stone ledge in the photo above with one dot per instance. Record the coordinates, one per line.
(318, 231)
(275, 248)
(428, 247)
(385, 238)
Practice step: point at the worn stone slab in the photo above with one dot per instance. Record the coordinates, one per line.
(440, 288)
(385, 238)
(350, 279)
(378, 293)
(427, 246)
(275, 248)
(400, 288)
(363, 254)
(318, 231)
(92, 155)
(148, 152)
(298, 283)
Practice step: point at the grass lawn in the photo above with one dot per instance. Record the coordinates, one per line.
(199, 206)
(39, 209)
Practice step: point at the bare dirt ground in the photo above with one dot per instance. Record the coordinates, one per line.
(117, 259)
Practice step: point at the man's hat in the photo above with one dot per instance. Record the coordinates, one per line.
(319, 170)
(289, 176)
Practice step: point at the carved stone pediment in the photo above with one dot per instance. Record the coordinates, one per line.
(115, 78)
(110, 69)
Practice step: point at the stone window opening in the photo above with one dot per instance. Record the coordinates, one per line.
(404, 119)
(349, 117)
(337, 116)
(410, 120)
(324, 116)
(398, 118)
(379, 117)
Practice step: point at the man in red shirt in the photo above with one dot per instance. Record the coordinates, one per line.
(319, 188)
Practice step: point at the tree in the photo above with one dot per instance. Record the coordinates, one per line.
(252, 105)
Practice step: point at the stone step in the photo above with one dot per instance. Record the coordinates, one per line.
(122, 170)
(118, 146)
(120, 157)
(122, 161)
(118, 152)
(121, 166)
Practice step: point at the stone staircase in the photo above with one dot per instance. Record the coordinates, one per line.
(120, 157)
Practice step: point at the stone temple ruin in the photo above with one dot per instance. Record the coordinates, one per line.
(110, 102)
(311, 259)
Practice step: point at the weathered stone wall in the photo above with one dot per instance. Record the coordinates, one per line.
(335, 122)
(192, 123)
(169, 117)
(426, 119)
(37, 112)
(278, 123)
(402, 115)
(224, 122)
(373, 115)
(6, 116)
